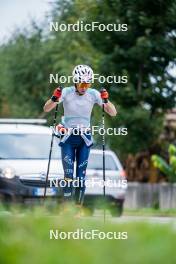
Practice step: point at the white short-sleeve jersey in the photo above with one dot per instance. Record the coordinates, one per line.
(78, 109)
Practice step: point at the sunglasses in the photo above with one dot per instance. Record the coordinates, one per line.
(83, 85)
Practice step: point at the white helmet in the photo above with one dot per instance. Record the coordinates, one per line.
(82, 74)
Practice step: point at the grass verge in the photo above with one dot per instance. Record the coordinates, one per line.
(25, 238)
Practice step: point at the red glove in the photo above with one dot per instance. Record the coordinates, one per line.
(104, 95)
(56, 94)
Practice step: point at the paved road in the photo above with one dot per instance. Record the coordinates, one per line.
(150, 219)
(123, 219)
(130, 219)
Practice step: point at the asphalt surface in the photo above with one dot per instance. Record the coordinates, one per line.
(122, 219)
(149, 219)
(130, 218)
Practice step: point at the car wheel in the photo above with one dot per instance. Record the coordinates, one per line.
(116, 208)
(6, 201)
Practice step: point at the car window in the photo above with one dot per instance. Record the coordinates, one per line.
(96, 162)
(27, 146)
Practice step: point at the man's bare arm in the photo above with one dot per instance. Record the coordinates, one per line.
(49, 105)
(110, 109)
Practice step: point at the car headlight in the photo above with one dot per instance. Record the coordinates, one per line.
(8, 173)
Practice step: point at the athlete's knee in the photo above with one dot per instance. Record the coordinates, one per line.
(68, 161)
(83, 165)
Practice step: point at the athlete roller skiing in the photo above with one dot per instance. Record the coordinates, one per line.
(78, 102)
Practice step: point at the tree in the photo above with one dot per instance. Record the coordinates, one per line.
(169, 169)
(26, 67)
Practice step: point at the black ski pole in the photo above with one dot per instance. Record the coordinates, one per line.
(51, 146)
(103, 148)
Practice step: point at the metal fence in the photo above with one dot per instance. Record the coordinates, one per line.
(146, 195)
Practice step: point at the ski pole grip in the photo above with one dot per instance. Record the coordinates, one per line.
(56, 94)
(104, 95)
